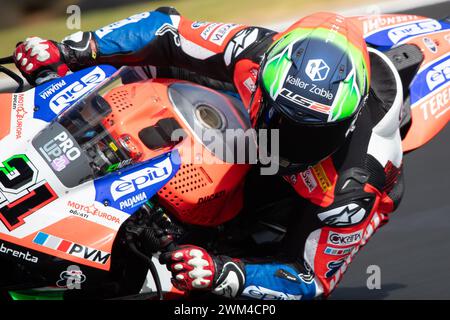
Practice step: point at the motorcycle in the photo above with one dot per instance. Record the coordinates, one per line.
(100, 173)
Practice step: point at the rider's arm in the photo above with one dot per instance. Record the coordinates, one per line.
(325, 238)
(322, 239)
(163, 38)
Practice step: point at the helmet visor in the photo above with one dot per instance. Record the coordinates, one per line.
(302, 143)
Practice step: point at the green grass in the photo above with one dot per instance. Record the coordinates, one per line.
(209, 10)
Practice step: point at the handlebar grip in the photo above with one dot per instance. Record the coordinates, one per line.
(167, 243)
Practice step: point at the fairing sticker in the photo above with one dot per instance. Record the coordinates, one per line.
(398, 34)
(63, 154)
(21, 192)
(126, 190)
(33, 200)
(55, 96)
(71, 248)
(22, 124)
(430, 79)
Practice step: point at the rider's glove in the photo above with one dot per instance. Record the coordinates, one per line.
(195, 269)
(40, 60)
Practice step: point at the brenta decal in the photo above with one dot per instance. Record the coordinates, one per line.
(27, 256)
(430, 44)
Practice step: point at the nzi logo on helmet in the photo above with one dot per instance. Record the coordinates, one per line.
(317, 70)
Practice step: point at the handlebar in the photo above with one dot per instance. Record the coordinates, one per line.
(10, 73)
(7, 60)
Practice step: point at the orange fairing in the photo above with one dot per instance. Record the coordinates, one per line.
(5, 118)
(430, 114)
(205, 191)
(92, 241)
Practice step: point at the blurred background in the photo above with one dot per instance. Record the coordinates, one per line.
(413, 249)
(47, 18)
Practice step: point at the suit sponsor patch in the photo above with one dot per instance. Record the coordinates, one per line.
(221, 33)
(343, 216)
(344, 239)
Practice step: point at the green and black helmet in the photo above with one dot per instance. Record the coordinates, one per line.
(314, 81)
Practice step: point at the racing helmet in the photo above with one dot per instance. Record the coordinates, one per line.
(314, 80)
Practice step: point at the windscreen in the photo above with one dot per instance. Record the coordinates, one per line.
(77, 146)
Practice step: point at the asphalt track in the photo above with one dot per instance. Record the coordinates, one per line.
(413, 249)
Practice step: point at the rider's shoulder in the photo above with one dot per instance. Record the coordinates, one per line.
(168, 10)
(385, 84)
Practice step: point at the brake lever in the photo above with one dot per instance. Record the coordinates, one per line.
(10, 73)
(167, 243)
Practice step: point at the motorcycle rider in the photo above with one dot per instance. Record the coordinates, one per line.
(340, 146)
